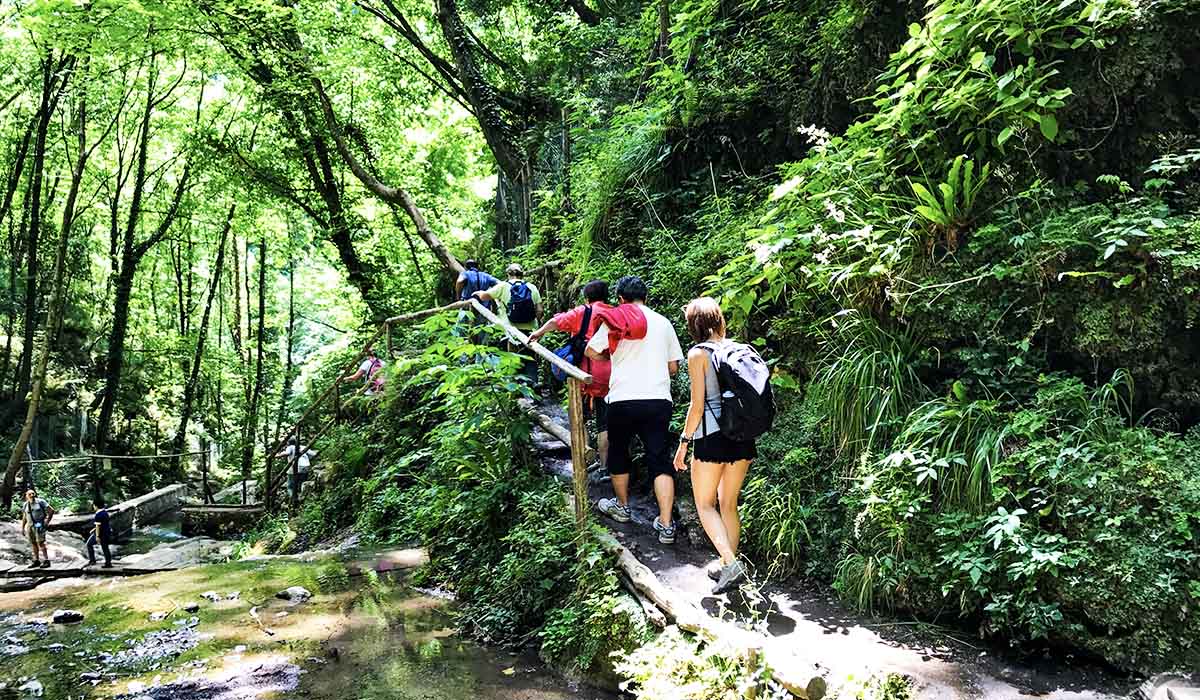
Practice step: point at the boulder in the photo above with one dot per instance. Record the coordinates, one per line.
(294, 594)
(191, 607)
(66, 617)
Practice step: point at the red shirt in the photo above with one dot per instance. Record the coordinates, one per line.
(601, 370)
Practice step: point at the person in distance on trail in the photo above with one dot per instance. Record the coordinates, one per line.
(303, 465)
(722, 457)
(520, 303)
(101, 534)
(371, 368)
(595, 294)
(645, 353)
(35, 520)
(472, 280)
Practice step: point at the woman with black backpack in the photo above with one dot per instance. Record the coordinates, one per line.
(730, 406)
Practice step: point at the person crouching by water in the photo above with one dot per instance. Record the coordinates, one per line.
(35, 520)
(101, 534)
(720, 463)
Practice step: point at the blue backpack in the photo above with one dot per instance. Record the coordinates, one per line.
(477, 281)
(521, 308)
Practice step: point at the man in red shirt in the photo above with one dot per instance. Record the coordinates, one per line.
(596, 295)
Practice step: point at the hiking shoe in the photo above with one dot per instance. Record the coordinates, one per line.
(666, 533)
(107, 565)
(613, 509)
(731, 576)
(37, 564)
(46, 564)
(713, 570)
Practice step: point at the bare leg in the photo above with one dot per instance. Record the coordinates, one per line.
(706, 476)
(620, 484)
(602, 448)
(664, 492)
(730, 488)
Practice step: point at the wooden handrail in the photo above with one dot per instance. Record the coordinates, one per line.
(576, 378)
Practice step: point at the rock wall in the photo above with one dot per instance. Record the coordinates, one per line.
(128, 515)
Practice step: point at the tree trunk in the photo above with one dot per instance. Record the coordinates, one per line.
(53, 312)
(192, 382)
(252, 410)
(285, 391)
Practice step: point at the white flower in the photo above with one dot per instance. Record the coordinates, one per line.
(834, 213)
(817, 136)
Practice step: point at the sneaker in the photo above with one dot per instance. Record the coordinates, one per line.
(46, 564)
(666, 533)
(713, 570)
(613, 509)
(37, 564)
(107, 565)
(731, 576)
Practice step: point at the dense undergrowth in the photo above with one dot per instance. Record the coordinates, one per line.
(966, 235)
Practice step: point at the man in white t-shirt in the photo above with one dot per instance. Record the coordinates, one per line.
(639, 399)
(303, 465)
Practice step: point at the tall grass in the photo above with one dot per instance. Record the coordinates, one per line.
(868, 384)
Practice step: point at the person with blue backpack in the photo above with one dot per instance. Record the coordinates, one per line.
(472, 280)
(520, 303)
(731, 406)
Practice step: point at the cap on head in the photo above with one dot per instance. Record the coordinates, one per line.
(514, 270)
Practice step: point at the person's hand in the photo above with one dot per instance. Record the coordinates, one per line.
(681, 457)
(536, 335)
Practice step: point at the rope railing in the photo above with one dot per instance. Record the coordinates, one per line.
(576, 378)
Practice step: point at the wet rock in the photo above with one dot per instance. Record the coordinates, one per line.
(66, 617)
(153, 647)
(11, 649)
(211, 596)
(32, 688)
(234, 596)
(191, 607)
(158, 616)
(294, 594)
(92, 677)
(254, 680)
(55, 648)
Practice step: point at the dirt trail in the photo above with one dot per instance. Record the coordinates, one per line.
(943, 664)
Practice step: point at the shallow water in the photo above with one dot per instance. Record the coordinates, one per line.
(362, 637)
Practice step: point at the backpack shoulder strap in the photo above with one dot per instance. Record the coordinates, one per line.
(584, 324)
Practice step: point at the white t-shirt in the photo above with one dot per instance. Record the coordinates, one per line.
(302, 462)
(639, 367)
(365, 367)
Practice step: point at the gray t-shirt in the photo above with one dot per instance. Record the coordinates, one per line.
(36, 510)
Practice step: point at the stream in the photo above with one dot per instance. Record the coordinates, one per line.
(220, 632)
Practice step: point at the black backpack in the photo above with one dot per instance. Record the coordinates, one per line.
(521, 308)
(747, 404)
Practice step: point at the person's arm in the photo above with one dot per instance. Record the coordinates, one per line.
(459, 284)
(49, 514)
(353, 377)
(597, 347)
(545, 328)
(673, 367)
(697, 361)
(676, 352)
(483, 295)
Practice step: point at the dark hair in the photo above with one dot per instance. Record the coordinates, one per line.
(471, 265)
(704, 318)
(631, 288)
(596, 290)
(98, 502)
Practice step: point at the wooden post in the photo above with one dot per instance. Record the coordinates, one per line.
(337, 399)
(578, 450)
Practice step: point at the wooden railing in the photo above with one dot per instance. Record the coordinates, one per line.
(576, 378)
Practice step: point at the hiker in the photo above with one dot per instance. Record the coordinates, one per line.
(472, 280)
(303, 464)
(101, 534)
(645, 352)
(520, 303)
(35, 520)
(371, 368)
(729, 408)
(581, 322)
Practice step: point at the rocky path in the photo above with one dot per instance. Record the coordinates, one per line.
(941, 664)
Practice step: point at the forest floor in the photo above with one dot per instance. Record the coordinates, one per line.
(941, 662)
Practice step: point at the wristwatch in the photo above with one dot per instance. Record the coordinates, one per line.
(684, 438)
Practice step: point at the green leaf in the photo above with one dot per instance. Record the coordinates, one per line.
(1049, 126)
(1124, 281)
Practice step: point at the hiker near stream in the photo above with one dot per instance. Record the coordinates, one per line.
(302, 455)
(645, 353)
(581, 323)
(101, 534)
(520, 303)
(731, 405)
(36, 514)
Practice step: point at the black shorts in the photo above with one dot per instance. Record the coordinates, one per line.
(596, 408)
(719, 449)
(649, 420)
